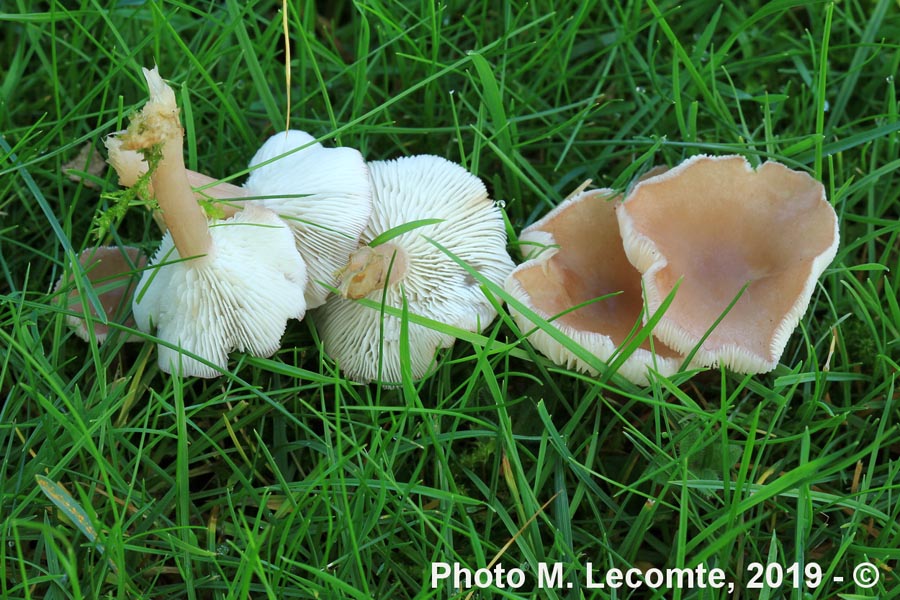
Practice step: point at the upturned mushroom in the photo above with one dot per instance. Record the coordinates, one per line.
(323, 194)
(577, 278)
(112, 273)
(213, 286)
(759, 238)
(442, 204)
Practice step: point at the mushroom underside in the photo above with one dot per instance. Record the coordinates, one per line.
(323, 194)
(237, 297)
(581, 282)
(412, 268)
(725, 234)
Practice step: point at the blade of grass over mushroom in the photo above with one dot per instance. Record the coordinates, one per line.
(89, 297)
(460, 334)
(222, 224)
(401, 229)
(636, 338)
(699, 344)
(530, 353)
(406, 376)
(165, 260)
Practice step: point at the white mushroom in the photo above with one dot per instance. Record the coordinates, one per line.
(324, 195)
(724, 231)
(453, 209)
(576, 260)
(216, 286)
(238, 296)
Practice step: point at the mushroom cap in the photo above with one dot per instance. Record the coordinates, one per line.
(574, 256)
(237, 297)
(111, 271)
(324, 195)
(717, 225)
(472, 228)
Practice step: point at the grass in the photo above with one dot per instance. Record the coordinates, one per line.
(283, 480)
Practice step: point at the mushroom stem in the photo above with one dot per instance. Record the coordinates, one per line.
(183, 216)
(158, 128)
(370, 267)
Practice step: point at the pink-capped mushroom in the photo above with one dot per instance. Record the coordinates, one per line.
(112, 272)
(726, 231)
(575, 259)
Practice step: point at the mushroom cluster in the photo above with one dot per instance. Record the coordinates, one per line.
(739, 250)
(689, 263)
(303, 232)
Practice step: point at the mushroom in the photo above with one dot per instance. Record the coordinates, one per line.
(426, 201)
(575, 259)
(213, 286)
(111, 272)
(760, 239)
(323, 194)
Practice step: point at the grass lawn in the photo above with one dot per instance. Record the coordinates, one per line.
(281, 479)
